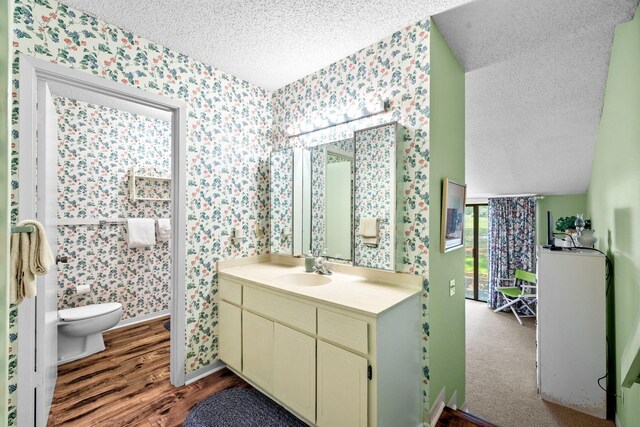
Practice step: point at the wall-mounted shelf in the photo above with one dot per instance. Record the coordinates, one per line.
(133, 186)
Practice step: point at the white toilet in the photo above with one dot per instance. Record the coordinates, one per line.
(80, 329)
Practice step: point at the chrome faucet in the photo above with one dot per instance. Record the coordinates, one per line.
(320, 267)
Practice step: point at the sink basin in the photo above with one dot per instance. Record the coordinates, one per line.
(304, 279)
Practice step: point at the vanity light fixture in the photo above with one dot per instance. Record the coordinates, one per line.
(335, 119)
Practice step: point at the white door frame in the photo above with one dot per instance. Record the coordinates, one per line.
(33, 70)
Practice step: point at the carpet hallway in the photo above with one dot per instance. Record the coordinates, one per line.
(506, 393)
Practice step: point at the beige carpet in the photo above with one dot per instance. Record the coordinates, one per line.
(506, 394)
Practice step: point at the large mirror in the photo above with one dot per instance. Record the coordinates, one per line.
(375, 196)
(331, 201)
(281, 196)
(338, 199)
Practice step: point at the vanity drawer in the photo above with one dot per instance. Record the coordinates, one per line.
(285, 310)
(343, 330)
(230, 291)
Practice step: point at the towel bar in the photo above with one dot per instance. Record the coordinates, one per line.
(112, 221)
(383, 220)
(23, 229)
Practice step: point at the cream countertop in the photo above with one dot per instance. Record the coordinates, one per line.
(367, 290)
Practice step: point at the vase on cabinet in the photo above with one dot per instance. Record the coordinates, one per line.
(587, 238)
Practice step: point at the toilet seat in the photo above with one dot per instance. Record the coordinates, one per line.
(88, 311)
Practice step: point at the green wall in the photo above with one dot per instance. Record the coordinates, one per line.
(614, 202)
(5, 11)
(566, 205)
(446, 315)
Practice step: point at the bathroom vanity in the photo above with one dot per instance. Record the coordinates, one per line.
(343, 349)
(338, 350)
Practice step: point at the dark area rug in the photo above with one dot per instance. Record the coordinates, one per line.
(239, 407)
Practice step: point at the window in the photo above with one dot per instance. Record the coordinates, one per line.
(476, 250)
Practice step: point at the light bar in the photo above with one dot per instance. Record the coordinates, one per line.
(335, 119)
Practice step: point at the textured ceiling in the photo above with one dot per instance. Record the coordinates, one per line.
(536, 70)
(536, 74)
(268, 42)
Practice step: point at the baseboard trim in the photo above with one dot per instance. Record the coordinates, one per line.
(617, 421)
(437, 408)
(203, 372)
(453, 402)
(139, 319)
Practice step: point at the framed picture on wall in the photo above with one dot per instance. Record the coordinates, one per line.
(454, 197)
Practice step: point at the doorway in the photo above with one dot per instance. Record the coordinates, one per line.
(476, 252)
(38, 317)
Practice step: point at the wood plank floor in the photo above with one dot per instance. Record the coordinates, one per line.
(455, 418)
(128, 383)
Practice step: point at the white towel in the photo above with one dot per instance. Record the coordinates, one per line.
(163, 233)
(30, 255)
(369, 230)
(141, 232)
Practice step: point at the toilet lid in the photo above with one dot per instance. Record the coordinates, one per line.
(88, 311)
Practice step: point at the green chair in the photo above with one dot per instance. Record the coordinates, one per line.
(514, 294)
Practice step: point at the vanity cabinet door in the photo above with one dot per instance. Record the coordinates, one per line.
(342, 387)
(230, 335)
(257, 350)
(295, 370)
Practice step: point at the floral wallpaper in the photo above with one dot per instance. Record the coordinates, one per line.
(375, 194)
(229, 125)
(232, 127)
(97, 147)
(281, 198)
(395, 69)
(321, 155)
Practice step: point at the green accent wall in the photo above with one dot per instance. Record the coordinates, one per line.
(446, 315)
(614, 203)
(5, 149)
(566, 205)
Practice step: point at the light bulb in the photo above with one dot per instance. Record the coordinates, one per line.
(373, 108)
(353, 113)
(318, 123)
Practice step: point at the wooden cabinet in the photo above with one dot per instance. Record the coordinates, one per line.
(230, 335)
(230, 291)
(342, 387)
(281, 309)
(294, 367)
(343, 330)
(257, 349)
(571, 329)
(315, 358)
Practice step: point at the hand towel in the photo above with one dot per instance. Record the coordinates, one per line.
(30, 255)
(141, 232)
(369, 230)
(40, 255)
(163, 233)
(20, 276)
